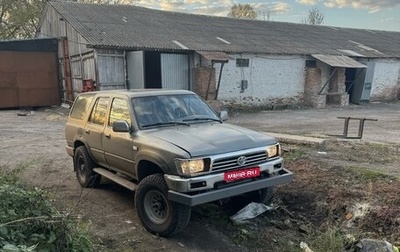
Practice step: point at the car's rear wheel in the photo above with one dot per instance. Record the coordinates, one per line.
(83, 165)
(157, 214)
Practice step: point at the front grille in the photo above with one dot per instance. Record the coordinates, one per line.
(228, 163)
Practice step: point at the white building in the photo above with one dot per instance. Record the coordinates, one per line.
(239, 62)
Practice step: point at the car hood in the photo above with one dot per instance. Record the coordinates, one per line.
(210, 139)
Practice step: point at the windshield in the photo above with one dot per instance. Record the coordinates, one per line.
(167, 110)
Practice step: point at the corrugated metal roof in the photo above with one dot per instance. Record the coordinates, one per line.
(215, 56)
(339, 61)
(133, 27)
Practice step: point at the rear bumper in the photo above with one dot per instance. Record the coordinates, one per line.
(284, 176)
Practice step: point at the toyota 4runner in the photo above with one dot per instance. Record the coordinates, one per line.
(172, 149)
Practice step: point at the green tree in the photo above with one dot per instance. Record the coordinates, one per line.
(20, 18)
(243, 11)
(315, 17)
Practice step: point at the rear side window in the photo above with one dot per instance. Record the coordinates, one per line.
(80, 107)
(99, 112)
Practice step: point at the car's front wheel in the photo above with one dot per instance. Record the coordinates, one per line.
(157, 214)
(83, 165)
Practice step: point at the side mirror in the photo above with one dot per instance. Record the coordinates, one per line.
(223, 115)
(121, 126)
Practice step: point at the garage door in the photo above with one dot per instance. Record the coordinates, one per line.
(28, 79)
(175, 71)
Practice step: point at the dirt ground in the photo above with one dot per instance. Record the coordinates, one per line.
(35, 143)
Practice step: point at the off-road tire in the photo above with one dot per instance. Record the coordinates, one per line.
(159, 215)
(83, 165)
(264, 196)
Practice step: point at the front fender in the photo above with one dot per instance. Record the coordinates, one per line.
(154, 157)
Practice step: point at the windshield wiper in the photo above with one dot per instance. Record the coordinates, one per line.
(164, 124)
(202, 119)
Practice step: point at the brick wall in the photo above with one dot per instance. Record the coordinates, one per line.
(202, 80)
(337, 85)
(312, 87)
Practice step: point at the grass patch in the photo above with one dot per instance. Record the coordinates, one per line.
(330, 239)
(369, 174)
(29, 222)
(365, 152)
(293, 154)
(11, 175)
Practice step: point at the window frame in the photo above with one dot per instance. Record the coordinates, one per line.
(109, 124)
(242, 62)
(95, 106)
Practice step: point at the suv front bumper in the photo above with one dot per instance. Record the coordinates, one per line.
(283, 176)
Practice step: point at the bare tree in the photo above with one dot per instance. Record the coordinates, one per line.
(244, 11)
(109, 1)
(265, 15)
(315, 17)
(19, 19)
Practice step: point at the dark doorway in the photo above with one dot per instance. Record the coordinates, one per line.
(152, 66)
(355, 83)
(351, 74)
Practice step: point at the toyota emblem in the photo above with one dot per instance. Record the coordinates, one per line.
(241, 160)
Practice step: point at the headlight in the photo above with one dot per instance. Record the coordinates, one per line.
(190, 166)
(273, 151)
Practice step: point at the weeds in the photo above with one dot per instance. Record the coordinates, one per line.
(11, 175)
(369, 174)
(28, 221)
(329, 239)
(235, 108)
(293, 154)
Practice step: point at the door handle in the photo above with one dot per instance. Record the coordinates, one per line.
(107, 135)
(87, 131)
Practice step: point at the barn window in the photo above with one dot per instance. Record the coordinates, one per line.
(311, 63)
(242, 62)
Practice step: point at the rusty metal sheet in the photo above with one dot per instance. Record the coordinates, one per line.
(8, 97)
(8, 90)
(6, 61)
(215, 56)
(8, 81)
(339, 61)
(28, 79)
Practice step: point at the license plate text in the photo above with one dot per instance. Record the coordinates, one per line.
(242, 174)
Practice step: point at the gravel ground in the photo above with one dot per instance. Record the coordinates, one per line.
(324, 122)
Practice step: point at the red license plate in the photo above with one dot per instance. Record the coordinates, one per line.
(242, 174)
